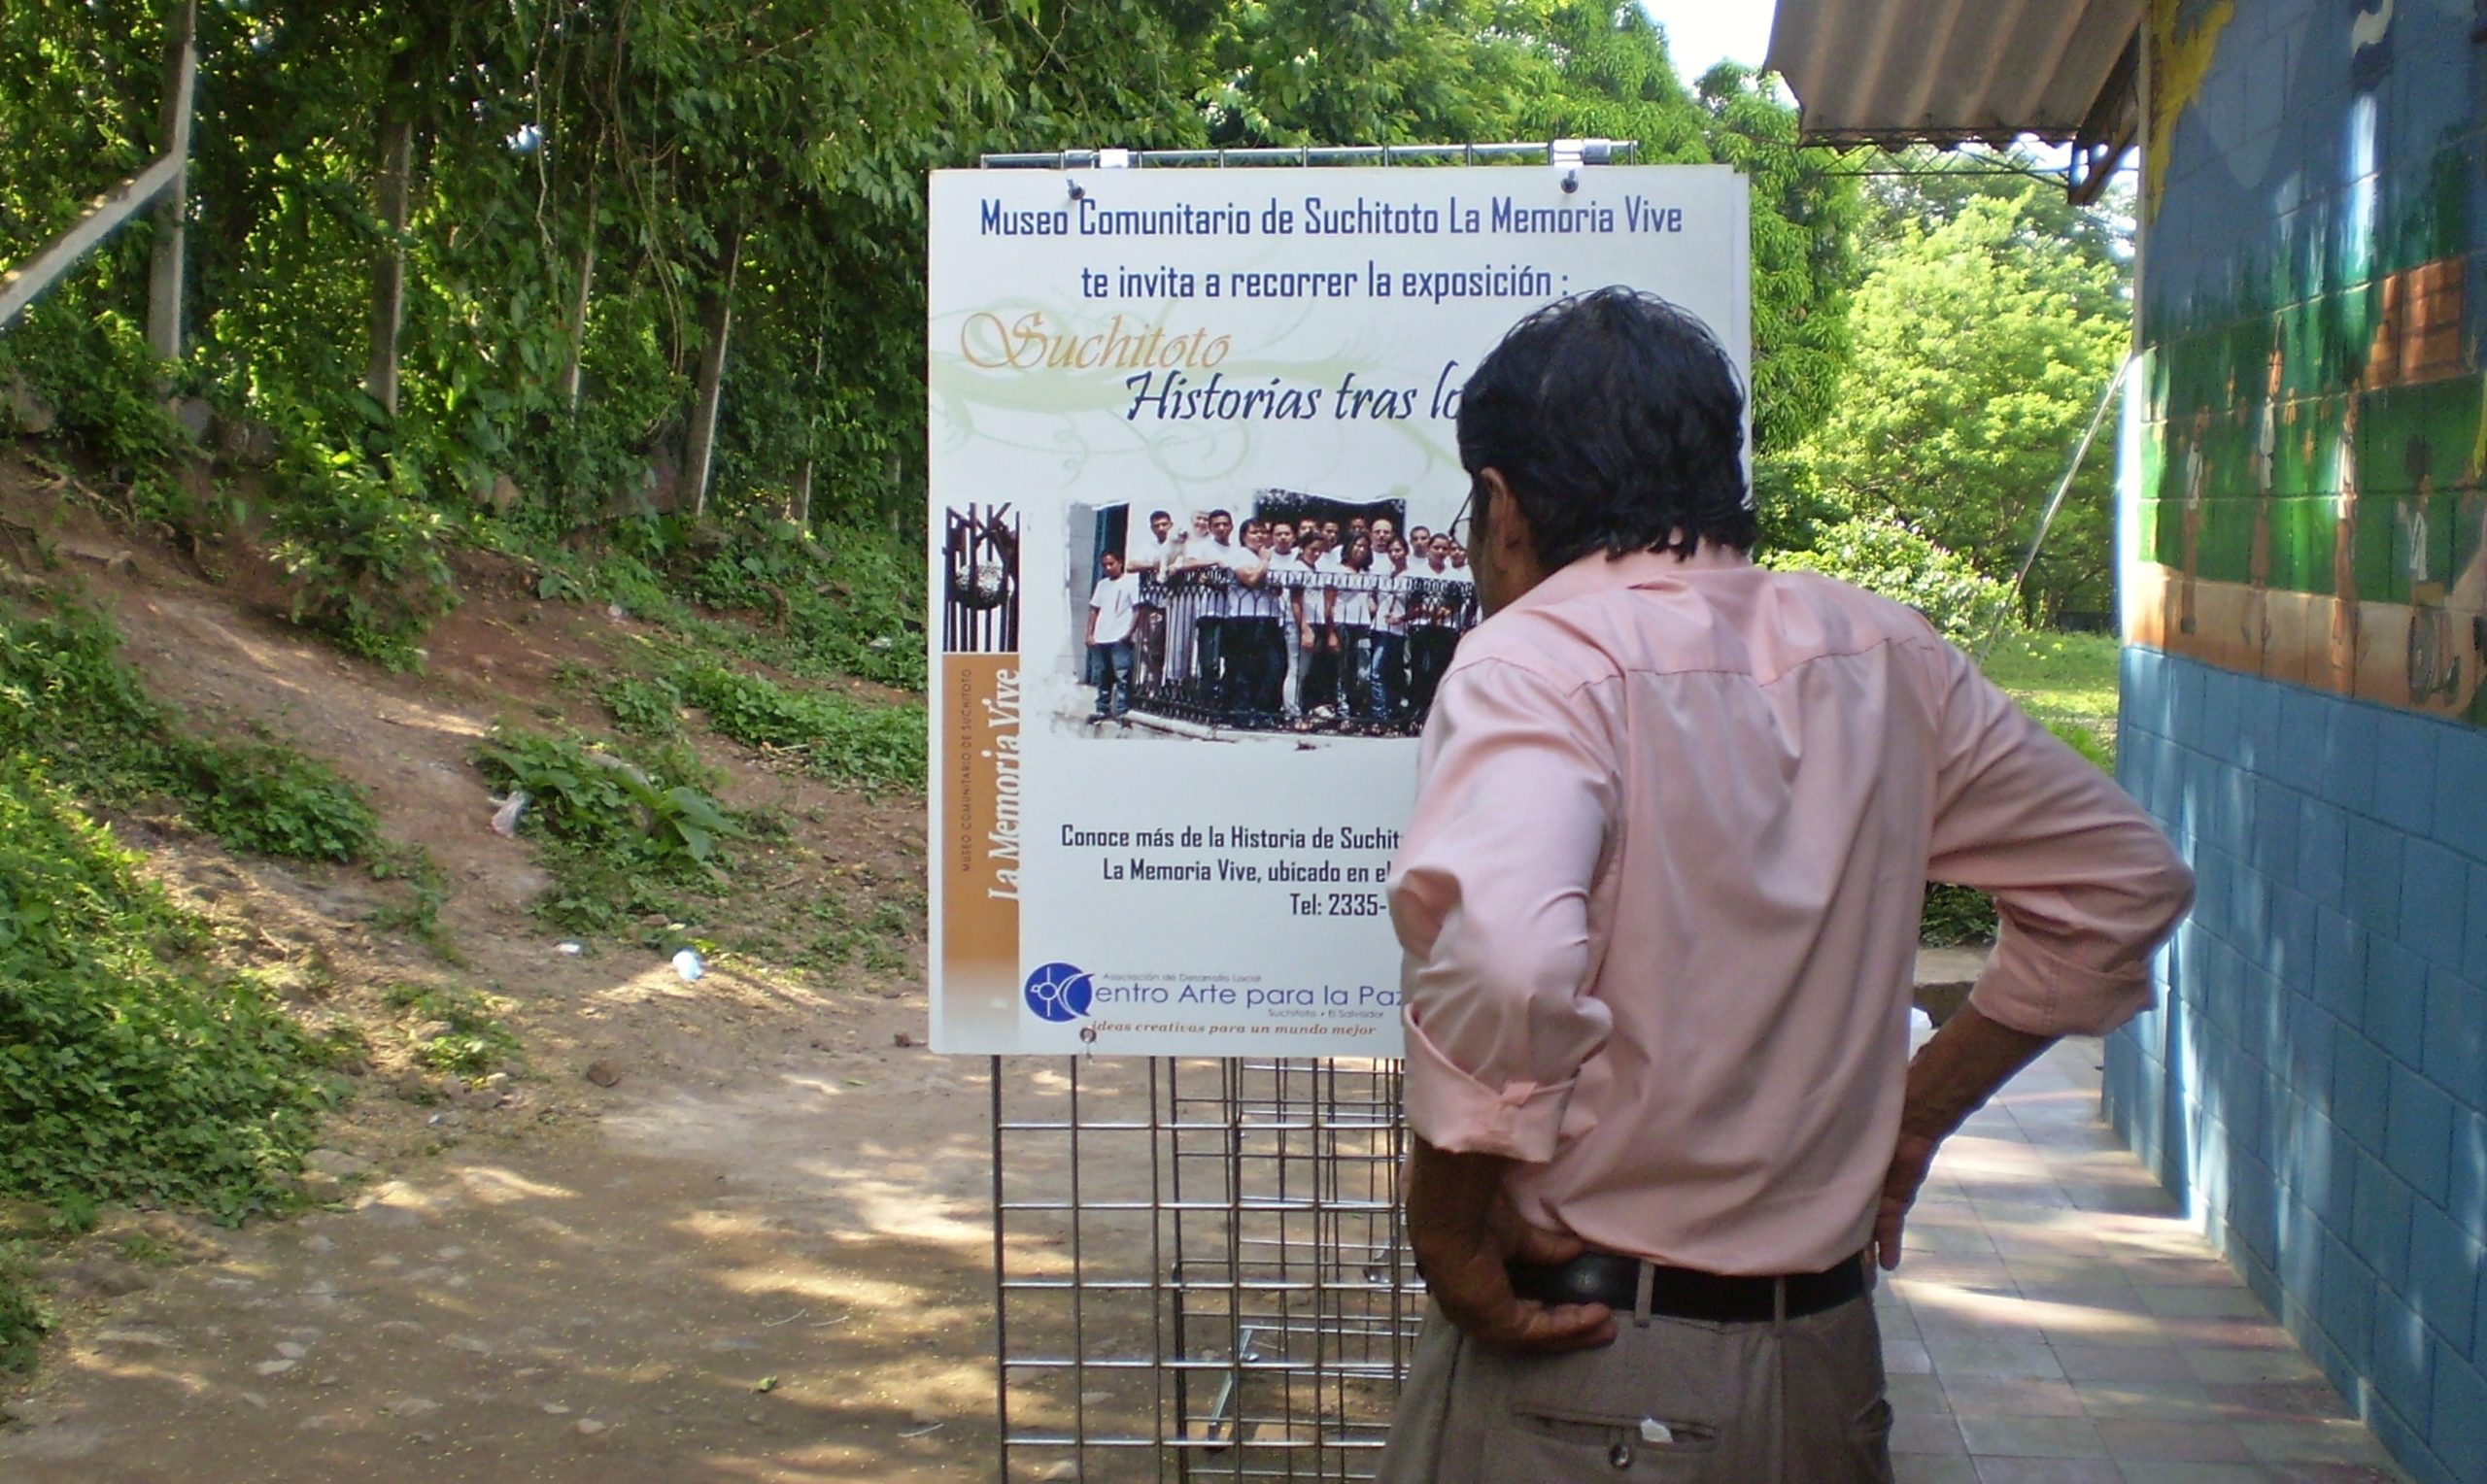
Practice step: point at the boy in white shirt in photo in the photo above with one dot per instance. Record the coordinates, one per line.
(1110, 609)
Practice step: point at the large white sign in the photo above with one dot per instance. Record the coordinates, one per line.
(1206, 419)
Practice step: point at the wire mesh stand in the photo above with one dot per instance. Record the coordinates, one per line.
(1200, 1267)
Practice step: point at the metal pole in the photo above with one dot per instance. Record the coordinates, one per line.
(1001, 1298)
(2055, 502)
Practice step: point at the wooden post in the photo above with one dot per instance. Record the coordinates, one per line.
(716, 322)
(164, 273)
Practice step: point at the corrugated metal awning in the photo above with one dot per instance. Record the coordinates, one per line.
(1894, 72)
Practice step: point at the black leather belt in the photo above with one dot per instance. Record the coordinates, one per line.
(1683, 1293)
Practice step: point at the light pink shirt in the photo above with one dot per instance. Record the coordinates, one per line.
(1659, 897)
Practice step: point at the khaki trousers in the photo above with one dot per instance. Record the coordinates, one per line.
(1795, 1401)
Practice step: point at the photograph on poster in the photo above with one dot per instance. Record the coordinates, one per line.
(1283, 613)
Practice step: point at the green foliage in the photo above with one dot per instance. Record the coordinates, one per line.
(25, 1318)
(1884, 556)
(281, 803)
(126, 1070)
(1955, 915)
(367, 556)
(67, 698)
(589, 797)
(849, 603)
(103, 384)
(1980, 347)
(641, 706)
(626, 840)
(427, 892)
(454, 1030)
(584, 174)
(836, 737)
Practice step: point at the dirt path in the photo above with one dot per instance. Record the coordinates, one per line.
(761, 1253)
(774, 1272)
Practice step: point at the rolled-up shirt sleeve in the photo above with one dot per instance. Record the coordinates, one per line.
(1490, 898)
(2084, 886)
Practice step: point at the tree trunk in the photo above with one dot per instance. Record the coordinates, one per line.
(799, 506)
(394, 196)
(716, 322)
(570, 374)
(172, 209)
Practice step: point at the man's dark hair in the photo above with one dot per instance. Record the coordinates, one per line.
(1156, 515)
(1618, 422)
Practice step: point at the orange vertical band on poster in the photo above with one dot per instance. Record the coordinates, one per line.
(980, 846)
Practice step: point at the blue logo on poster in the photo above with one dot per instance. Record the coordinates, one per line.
(1059, 992)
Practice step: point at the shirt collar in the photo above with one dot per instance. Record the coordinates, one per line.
(1599, 572)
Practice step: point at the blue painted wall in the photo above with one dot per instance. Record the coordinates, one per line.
(2305, 600)
(2315, 1083)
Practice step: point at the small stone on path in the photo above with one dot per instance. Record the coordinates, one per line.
(589, 1427)
(336, 1163)
(603, 1073)
(273, 1368)
(291, 1349)
(555, 1409)
(412, 1406)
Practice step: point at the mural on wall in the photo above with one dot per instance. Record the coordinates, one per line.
(2313, 315)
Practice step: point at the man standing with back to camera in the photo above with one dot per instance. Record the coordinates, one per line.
(1659, 902)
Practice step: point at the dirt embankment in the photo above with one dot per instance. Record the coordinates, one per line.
(760, 1253)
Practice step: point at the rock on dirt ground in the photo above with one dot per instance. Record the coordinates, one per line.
(575, 1276)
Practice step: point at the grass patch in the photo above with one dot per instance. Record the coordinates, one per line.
(836, 939)
(427, 892)
(128, 1068)
(454, 1030)
(2068, 683)
(71, 704)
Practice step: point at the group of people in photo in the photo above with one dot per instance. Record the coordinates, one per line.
(1317, 624)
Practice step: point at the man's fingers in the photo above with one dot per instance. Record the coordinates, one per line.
(1543, 1249)
(1888, 1223)
(1529, 1326)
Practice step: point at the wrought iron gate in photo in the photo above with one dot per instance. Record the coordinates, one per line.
(1200, 1266)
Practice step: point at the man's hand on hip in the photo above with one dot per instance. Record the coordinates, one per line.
(1464, 1229)
(1949, 1078)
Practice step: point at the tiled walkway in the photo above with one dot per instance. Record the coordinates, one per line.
(2057, 1318)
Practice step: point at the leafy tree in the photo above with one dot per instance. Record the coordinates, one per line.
(1880, 554)
(1981, 344)
(1614, 80)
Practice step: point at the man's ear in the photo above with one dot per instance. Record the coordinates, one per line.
(1499, 520)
